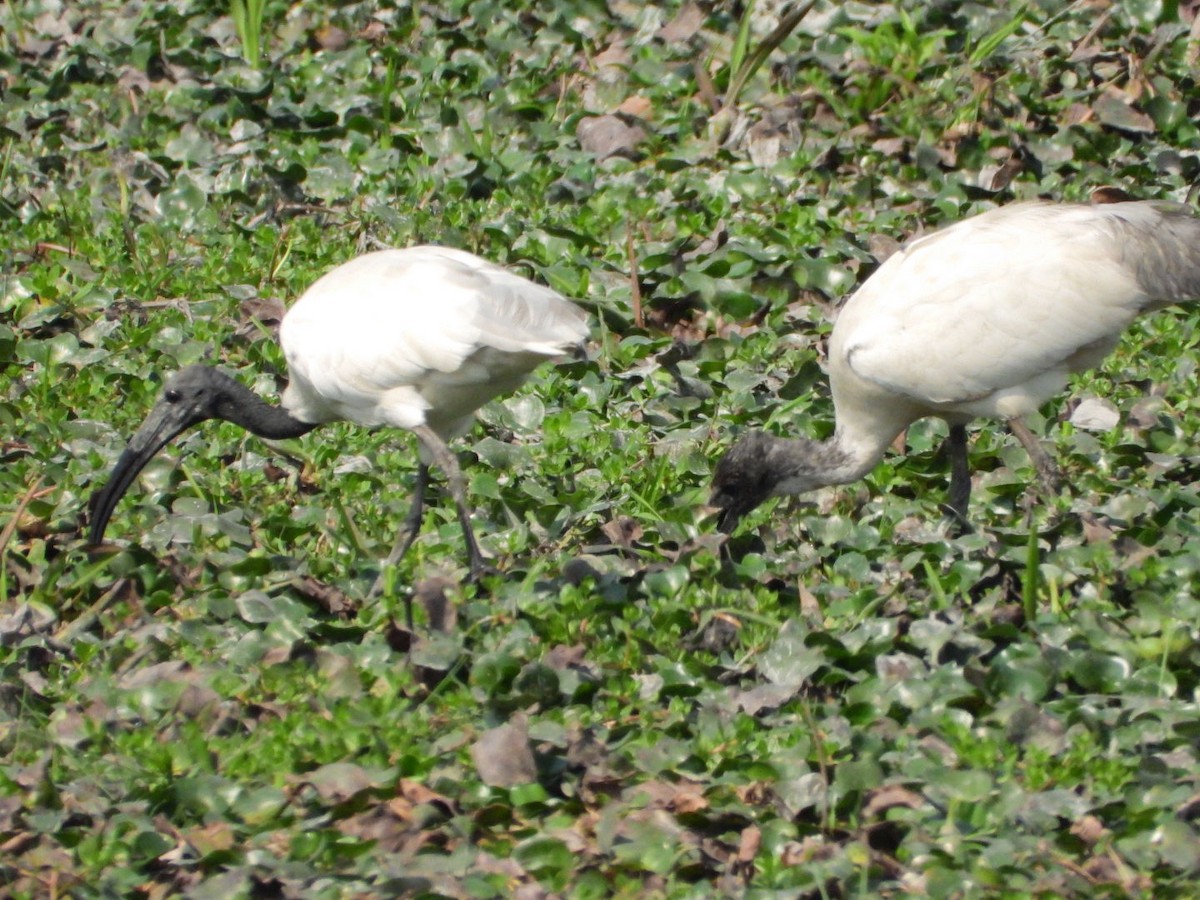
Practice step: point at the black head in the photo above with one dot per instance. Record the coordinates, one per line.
(189, 397)
(760, 466)
(743, 479)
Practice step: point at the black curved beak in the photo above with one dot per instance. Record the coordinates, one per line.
(733, 502)
(165, 421)
(729, 508)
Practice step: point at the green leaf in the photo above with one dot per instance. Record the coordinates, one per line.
(989, 44)
(789, 661)
(1021, 672)
(1100, 672)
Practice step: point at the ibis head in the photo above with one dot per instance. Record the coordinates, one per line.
(760, 466)
(740, 482)
(417, 338)
(986, 318)
(190, 396)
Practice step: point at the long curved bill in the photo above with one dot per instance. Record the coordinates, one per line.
(165, 421)
(728, 518)
(729, 509)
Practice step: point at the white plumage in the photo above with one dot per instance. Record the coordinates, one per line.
(417, 338)
(419, 335)
(987, 317)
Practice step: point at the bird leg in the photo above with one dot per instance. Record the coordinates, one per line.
(408, 531)
(960, 475)
(1046, 469)
(443, 456)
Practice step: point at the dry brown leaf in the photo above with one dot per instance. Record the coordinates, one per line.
(332, 600)
(418, 795)
(338, 782)
(1077, 114)
(198, 701)
(373, 32)
(637, 107)
(680, 798)
(715, 240)
(330, 37)
(1110, 194)
(1116, 110)
(174, 670)
(799, 853)
(19, 843)
(810, 606)
(882, 799)
(615, 56)
(210, 838)
(564, 657)
(503, 757)
(1108, 868)
(882, 246)
(600, 782)
(757, 793)
(606, 136)
(1095, 531)
(259, 313)
(765, 146)
(440, 611)
(381, 824)
(688, 21)
(622, 531)
(1131, 553)
(890, 146)
(765, 697)
(276, 656)
(584, 749)
(1089, 829)
(749, 844)
(688, 800)
(493, 865)
(997, 178)
(716, 635)
(937, 748)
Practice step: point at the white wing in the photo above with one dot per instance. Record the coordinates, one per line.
(418, 334)
(1008, 301)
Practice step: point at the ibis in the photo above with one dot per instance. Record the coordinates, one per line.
(416, 338)
(987, 317)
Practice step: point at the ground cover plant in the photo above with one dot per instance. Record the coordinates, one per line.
(861, 704)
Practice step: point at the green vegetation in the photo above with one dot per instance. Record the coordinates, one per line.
(862, 705)
(248, 19)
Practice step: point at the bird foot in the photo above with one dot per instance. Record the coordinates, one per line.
(957, 519)
(481, 569)
(1047, 472)
(1050, 480)
(380, 585)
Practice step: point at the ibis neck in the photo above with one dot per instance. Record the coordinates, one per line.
(845, 460)
(804, 464)
(853, 456)
(242, 406)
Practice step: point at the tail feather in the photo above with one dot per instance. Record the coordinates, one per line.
(1161, 242)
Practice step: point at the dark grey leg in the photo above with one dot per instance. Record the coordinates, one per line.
(446, 461)
(1047, 471)
(408, 530)
(960, 471)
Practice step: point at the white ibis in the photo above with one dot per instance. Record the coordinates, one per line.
(417, 338)
(987, 317)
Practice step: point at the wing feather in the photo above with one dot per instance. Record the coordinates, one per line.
(384, 336)
(996, 302)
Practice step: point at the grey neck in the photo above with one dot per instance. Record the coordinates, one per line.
(240, 405)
